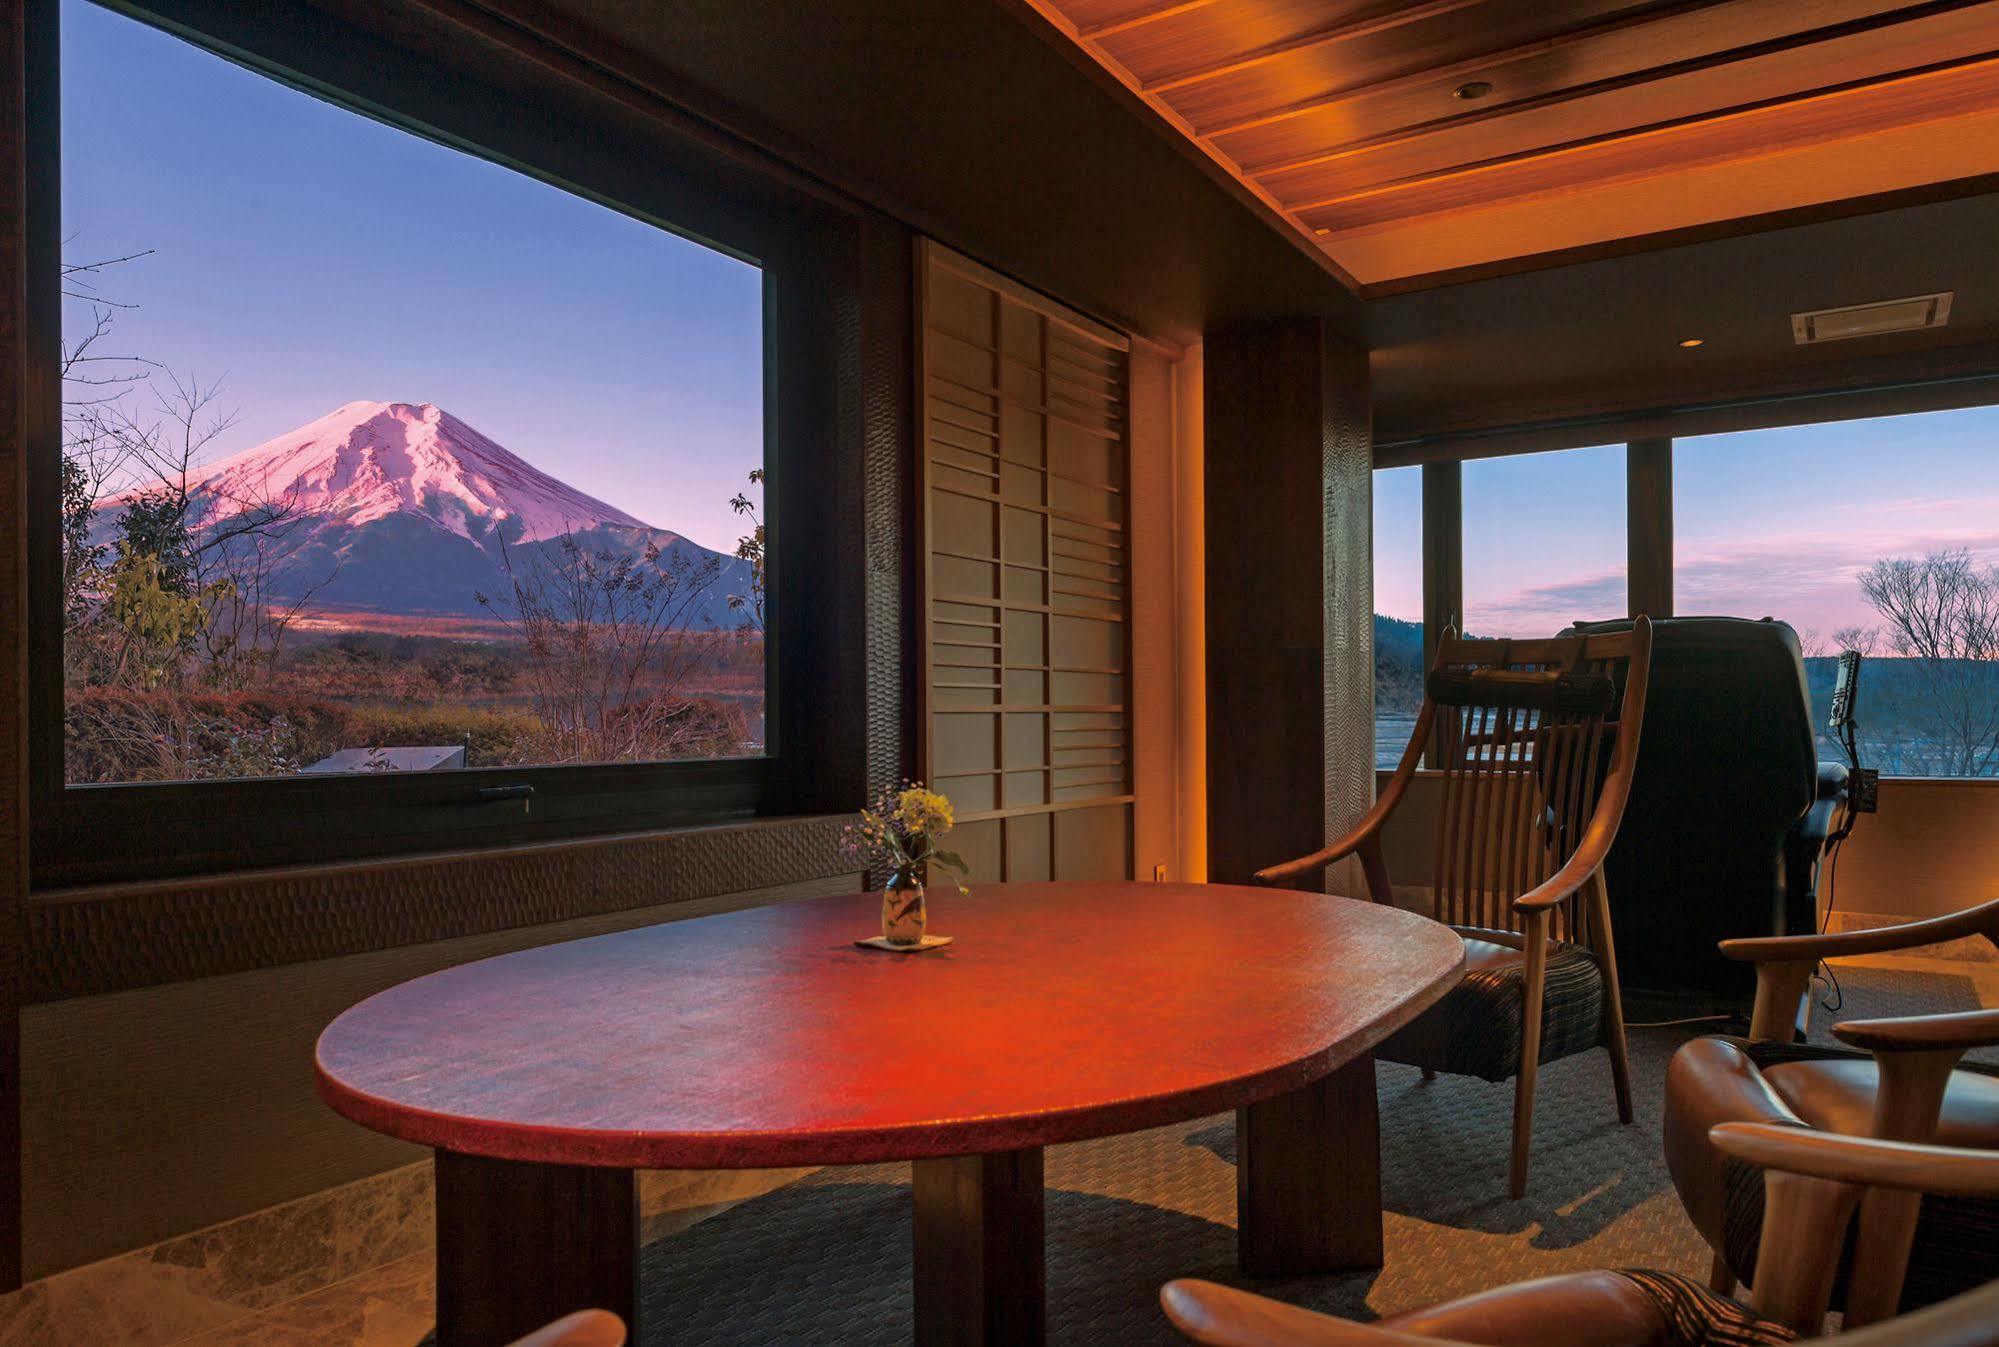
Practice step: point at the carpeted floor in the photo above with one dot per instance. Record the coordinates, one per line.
(826, 1261)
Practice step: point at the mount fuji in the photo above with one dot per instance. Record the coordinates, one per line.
(403, 510)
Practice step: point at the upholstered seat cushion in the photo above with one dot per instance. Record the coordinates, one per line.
(1475, 1030)
(1714, 1080)
(1635, 1308)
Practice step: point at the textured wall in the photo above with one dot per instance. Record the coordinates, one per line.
(1348, 544)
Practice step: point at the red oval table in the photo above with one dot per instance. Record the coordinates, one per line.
(764, 1038)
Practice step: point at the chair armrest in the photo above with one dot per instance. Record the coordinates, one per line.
(1368, 829)
(1980, 920)
(1562, 885)
(1957, 1032)
(585, 1328)
(1221, 1316)
(1867, 1161)
(1278, 876)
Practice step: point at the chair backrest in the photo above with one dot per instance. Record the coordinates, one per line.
(1527, 735)
(1715, 846)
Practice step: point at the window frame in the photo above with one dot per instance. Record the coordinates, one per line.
(808, 245)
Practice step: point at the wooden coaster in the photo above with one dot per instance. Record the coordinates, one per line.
(881, 942)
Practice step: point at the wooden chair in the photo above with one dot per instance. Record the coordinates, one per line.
(1536, 742)
(1901, 1079)
(1812, 1179)
(585, 1328)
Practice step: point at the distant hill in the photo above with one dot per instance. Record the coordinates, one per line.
(1398, 664)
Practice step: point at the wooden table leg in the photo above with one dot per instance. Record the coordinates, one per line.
(1308, 1177)
(980, 1226)
(520, 1245)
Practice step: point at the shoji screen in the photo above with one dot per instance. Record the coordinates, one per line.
(1027, 604)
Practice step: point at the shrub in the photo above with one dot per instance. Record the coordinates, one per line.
(491, 738)
(116, 734)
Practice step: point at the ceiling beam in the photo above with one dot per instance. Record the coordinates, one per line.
(1319, 37)
(1633, 79)
(1471, 65)
(1653, 129)
(1149, 14)
(1930, 93)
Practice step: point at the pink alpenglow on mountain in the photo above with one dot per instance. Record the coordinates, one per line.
(400, 509)
(368, 460)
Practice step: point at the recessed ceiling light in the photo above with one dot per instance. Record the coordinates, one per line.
(1692, 342)
(1472, 89)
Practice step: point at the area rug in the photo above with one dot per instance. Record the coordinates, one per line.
(826, 1261)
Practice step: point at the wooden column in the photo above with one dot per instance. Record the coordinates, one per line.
(1648, 529)
(1443, 553)
(1288, 592)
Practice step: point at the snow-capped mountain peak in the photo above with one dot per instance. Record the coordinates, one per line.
(366, 461)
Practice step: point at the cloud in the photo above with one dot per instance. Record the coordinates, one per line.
(1809, 579)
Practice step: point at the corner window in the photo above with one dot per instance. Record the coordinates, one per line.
(379, 458)
(1543, 541)
(1873, 535)
(1398, 610)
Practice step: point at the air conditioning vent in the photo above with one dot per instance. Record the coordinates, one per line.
(1871, 320)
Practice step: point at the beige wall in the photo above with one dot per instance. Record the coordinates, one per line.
(1190, 637)
(1167, 824)
(1933, 848)
(150, 1113)
(1154, 675)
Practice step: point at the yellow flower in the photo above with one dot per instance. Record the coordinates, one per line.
(923, 813)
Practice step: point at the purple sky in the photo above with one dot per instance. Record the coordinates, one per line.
(310, 257)
(1766, 523)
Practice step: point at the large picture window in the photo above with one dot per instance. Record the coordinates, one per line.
(382, 458)
(430, 451)
(1543, 541)
(1875, 535)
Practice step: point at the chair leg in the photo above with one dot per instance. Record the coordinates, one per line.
(1534, 992)
(1613, 997)
(1429, 1074)
(1721, 1277)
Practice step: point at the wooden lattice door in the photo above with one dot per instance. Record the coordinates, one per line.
(1027, 603)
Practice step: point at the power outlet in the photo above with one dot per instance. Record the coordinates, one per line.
(1863, 787)
(1159, 874)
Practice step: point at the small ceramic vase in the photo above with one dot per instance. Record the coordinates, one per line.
(903, 915)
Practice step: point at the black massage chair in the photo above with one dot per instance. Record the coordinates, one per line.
(1729, 812)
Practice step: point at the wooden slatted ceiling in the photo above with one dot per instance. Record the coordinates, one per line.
(1345, 116)
(1027, 593)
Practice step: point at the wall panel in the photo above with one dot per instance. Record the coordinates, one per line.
(1028, 686)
